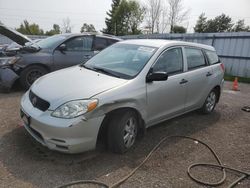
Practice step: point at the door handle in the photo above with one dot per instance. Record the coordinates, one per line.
(183, 81)
(209, 74)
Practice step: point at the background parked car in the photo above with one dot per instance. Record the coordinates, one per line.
(2, 49)
(34, 59)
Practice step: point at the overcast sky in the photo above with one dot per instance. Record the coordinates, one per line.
(48, 12)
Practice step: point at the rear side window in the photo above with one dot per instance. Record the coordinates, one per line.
(195, 58)
(170, 61)
(212, 57)
(110, 42)
(100, 43)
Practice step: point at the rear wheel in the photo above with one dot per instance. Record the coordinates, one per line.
(30, 74)
(122, 131)
(210, 102)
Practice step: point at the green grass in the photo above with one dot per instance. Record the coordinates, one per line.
(240, 79)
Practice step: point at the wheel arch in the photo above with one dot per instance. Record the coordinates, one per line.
(217, 89)
(103, 130)
(37, 64)
(25, 70)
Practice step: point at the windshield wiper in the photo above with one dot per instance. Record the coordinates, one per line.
(99, 69)
(86, 67)
(105, 71)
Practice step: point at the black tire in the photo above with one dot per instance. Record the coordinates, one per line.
(117, 132)
(210, 102)
(30, 74)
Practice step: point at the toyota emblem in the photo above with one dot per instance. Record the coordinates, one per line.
(34, 101)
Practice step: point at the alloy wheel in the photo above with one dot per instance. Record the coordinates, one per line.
(211, 101)
(130, 132)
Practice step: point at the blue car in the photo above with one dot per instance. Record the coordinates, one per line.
(31, 60)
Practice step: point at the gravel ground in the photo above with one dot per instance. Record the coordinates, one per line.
(25, 163)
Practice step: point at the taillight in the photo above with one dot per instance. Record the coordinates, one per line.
(222, 67)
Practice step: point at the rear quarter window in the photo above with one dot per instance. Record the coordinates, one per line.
(212, 57)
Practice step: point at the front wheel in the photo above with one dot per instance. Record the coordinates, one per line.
(122, 132)
(210, 102)
(30, 74)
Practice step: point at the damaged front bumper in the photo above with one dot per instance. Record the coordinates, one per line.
(7, 77)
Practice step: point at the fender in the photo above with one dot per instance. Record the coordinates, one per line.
(118, 104)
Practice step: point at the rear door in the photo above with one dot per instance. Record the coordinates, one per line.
(78, 50)
(217, 66)
(199, 76)
(167, 98)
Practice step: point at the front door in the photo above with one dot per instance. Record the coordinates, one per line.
(78, 50)
(167, 98)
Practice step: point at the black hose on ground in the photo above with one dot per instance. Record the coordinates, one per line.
(219, 166)
(246, 108)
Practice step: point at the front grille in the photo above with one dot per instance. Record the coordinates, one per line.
(38, 102)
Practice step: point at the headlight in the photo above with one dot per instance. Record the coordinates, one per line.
(74, 109)
(8, 61)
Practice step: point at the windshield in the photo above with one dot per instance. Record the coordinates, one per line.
(50, 41)
(123, 60)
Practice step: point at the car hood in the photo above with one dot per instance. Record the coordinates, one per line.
(71, 84)
(14, 35)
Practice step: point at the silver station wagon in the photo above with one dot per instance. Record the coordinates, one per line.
(120, 92)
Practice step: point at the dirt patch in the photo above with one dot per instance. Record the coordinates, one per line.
(25, 163)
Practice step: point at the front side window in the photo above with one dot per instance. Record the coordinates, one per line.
(79, 44)
(170, 61)
(212, 57)
(195, 58)
(123, 60)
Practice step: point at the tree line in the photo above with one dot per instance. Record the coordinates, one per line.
(28, 28)
(129, 17)
(221, 23)
(163, 16)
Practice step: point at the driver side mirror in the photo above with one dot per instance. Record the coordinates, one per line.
(156, 76)
(62, 48)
